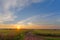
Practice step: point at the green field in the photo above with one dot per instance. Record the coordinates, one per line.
(47, 34)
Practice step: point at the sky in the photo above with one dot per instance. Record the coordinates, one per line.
(28, 13)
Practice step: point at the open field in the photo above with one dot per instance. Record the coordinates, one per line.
(29, 34)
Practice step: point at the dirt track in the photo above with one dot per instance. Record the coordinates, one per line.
(30, 36)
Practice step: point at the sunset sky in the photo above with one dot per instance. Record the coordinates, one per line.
(28, 13)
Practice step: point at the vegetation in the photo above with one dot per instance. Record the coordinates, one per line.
(20, 34)
(52, 38)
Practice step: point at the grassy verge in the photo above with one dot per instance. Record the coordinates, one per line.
(48, 38)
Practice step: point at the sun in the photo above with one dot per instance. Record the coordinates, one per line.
(18, 27)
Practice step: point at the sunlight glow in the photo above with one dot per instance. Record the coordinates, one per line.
(18, 27)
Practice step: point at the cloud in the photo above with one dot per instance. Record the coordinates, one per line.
(47, 21)
(58, 20)
(37, 1)
(7, 17)
(9, 7)
(5, 13)
(38, 20)
(26, 21)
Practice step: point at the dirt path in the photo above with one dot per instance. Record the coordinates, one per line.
(30, 36)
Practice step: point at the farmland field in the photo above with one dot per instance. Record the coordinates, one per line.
(29, 34)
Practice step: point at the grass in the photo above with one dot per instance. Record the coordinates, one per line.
(48, 38)
(43, 31)
(19, 34)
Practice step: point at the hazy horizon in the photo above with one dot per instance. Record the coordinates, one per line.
(14, 26)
